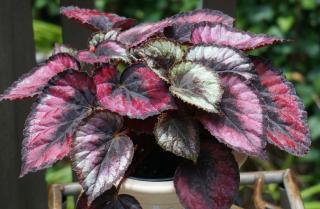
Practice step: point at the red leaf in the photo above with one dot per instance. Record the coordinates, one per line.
(240, 124)
(49, 128)
(101, 154)
(212, 183)
(137, 93)
(184, 22)
(109, 200)
(31, 84)
(142, 32)
(104, 52)
(286, 120)
(95, 19)
(210, 33)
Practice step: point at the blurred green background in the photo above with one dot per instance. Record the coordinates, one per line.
(297, 20)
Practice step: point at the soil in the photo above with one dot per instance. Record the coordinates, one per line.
(158, 164)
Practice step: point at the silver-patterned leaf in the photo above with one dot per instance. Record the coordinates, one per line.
(160, 54)
(177, 133)
(196, 84)
(100, 154)
(222, 59)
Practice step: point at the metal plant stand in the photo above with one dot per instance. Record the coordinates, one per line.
(291, 198)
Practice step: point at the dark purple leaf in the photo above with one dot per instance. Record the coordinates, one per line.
(95, 19)
(137, 92)
(104, 52)
(184, 22)
(222, 59)
(212, 182)
(109, 200)
(240, 123)
(178, 134)
(31, 84)
(145, 126)
(160, 54)
(142, 32)
(101, 153)
(285, 117)
(210, 33)
(64, 103)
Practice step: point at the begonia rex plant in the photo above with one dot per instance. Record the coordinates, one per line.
(185, 82)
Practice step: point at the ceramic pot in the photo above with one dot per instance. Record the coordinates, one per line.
(159, 194)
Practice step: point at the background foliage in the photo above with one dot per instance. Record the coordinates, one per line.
(297, 20)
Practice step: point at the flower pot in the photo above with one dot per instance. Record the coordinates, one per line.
(159, 194)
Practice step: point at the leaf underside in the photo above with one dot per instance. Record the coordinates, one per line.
(196, 84)
(185, 21)
(95, 19)
(212, 182)
(222, 60)
(109, 200)
(240, 123)
(142, 32)
(104, 52)
(177, 133)
(210, 33)
(64, 103)
(160, 54)
(31, 84)
(285, 117)
(100, 155)
(137, 92)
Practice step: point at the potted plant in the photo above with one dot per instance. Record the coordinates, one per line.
(169, 99)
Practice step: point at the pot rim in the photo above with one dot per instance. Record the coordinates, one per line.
(139, 185)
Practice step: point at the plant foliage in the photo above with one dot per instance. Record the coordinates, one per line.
(194, 75)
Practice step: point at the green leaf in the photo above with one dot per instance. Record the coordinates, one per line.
(308, 4)
(178, 134)
(196, 84)
(285, 23)
(314, 122)
(160, 54)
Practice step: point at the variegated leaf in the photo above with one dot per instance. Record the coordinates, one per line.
(240, 124)
(196, 84)
(177, 133)
(222, 59)
(185, 21)
(100, 37)
(33, 82)
(64, 103)
(104, 52)
(61, 48)
(211, 183)
(285, 118)
(210, 33)
(160, 54)
(137, 92)
(95, 19)
(101, 154)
